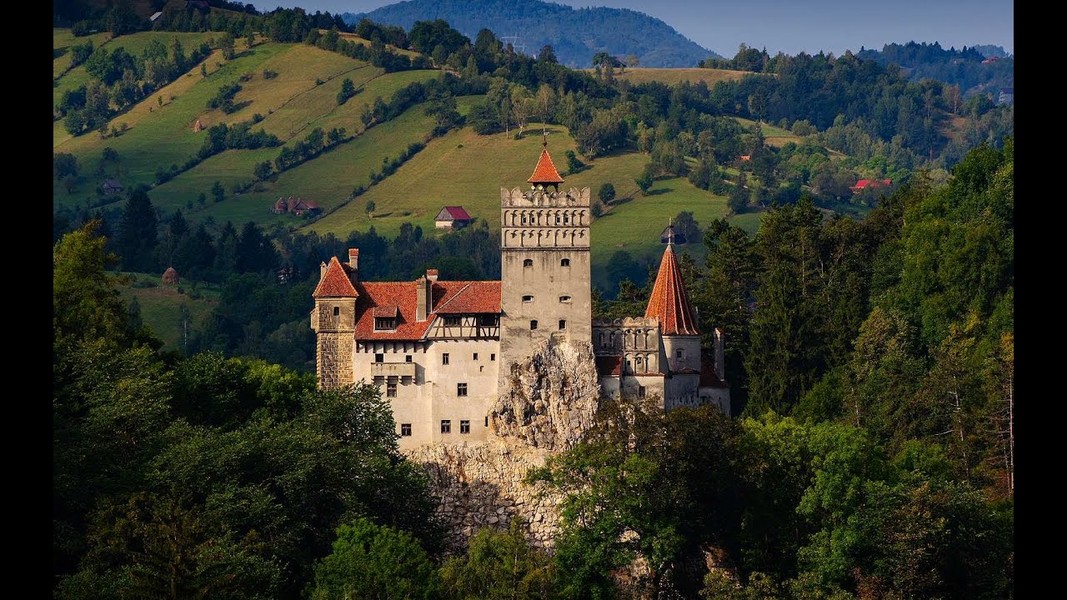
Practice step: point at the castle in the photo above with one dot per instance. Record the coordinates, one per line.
(443, 350)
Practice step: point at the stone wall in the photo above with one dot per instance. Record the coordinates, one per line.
(548, 401)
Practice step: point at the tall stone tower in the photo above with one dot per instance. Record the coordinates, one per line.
(334, 321)
(544, 265)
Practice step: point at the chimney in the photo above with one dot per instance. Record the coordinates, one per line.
(353, 263)
(424, 291)
(423, 298)
(322, 269)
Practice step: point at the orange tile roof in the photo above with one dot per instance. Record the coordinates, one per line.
(669, 301)
(545, 171)
(335, 282)
(474, 297)
(388, 311)
(449, 297)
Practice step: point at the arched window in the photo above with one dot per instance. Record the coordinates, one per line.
(565, 262)
(528, 262)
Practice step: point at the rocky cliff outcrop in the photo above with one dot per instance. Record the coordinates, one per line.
(549, 400)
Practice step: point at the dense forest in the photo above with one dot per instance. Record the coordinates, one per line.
(870, 352)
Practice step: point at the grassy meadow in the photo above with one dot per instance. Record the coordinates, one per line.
(639, 75)
(161, 306)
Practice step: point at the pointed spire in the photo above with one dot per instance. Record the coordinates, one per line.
(669, 302)
(545, 172)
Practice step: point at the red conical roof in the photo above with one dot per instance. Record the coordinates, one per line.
(669, 301)
(545, 171)
(335, 282)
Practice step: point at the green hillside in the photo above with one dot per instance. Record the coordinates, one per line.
(162, 306)
(459, 168)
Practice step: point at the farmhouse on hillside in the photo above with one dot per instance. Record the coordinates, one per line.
(452, 217)
(296, 206)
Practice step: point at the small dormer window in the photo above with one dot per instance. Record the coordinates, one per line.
(384, 324)
(528, 262)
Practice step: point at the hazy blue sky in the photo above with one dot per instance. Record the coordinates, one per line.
(793, 26)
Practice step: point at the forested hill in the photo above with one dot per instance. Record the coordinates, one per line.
(974, 69)
(576, 35)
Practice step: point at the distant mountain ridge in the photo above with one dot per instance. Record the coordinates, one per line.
(575, 35)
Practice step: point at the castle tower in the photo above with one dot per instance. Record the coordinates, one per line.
(678, 326)
(544, 264)
(334, 321)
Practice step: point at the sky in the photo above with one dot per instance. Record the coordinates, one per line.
(793, 26)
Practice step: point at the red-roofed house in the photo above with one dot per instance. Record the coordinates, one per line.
(452, 217)
(296, 206)
(445, 352)
(863, 184)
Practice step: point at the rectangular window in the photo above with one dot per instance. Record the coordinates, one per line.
(405, 429)
(533, 324)
(487, 421)
(640, 391)
(464, 426)
(407, 358)
(336, 311)
(379, 357)
(488, 320)
(492, 357)
(679, 353)
(444, 358)
(453, 321)
(475, 356)
(562, 324)
(446, 426)
(461, 389)
(384, 323)
(390, 389)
